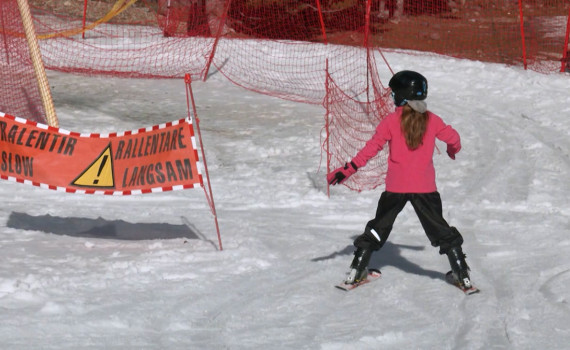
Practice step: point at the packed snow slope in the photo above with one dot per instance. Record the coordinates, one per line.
(144, 272)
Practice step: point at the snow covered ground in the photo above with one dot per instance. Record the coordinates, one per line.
(144, 272)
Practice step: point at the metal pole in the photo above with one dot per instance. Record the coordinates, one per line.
(188, 80)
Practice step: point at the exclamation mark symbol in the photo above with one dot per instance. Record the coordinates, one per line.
(96, 181)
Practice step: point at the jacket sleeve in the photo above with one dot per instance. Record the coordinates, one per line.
(374, 145)
(450, 136)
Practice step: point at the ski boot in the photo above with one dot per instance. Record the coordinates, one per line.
(459, 267)
(359, 266)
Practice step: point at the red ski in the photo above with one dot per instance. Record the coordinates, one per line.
(372, 276)
(449, 278)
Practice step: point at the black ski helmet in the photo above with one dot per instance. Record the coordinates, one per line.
(408, 85)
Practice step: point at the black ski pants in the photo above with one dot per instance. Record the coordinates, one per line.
(429, 210)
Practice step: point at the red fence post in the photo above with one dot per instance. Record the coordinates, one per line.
(210, 198)
(522, 33)
(367, 46)
(327, 124)
(322, 21)
(84, 18)
(565, 58)
(217, 39)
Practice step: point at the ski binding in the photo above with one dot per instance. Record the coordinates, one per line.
(373, 275)
(449, 278)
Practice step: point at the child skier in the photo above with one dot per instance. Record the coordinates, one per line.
(410, 132)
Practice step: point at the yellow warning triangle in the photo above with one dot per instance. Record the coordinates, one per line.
(99, 173)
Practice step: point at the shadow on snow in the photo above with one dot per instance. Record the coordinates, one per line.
(101, 228)
(389, 255)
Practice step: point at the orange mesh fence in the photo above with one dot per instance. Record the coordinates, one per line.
(270, 45)
(162, 38)
(484, 30)
(350, 123)
(276, 47)
(19, 91)
(126, 38)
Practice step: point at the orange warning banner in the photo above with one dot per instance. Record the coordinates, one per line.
(154, 159)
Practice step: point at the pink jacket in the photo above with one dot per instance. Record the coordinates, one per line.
(409, 171)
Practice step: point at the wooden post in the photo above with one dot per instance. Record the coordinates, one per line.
(37, 62)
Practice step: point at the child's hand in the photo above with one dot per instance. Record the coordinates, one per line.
(341, 174)
(451, 152)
